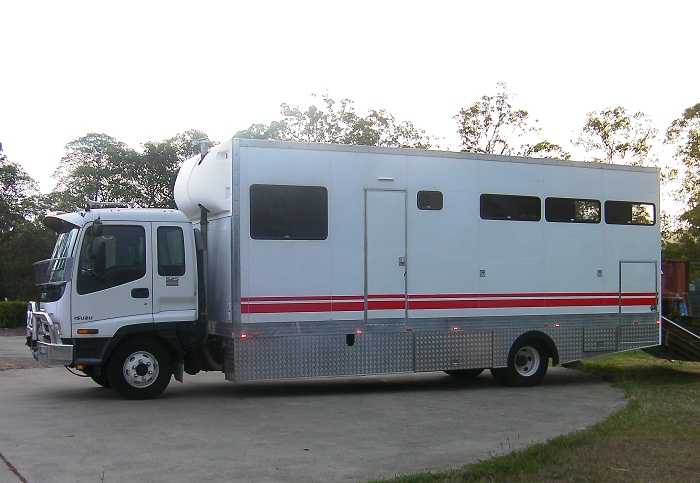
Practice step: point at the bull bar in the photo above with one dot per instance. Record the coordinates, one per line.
(44, 338)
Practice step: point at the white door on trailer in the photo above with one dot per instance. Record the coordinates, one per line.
(385, 254)
(638, 287)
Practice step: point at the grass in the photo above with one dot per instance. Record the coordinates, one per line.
(656, 437)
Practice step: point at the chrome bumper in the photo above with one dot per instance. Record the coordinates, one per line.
(44, 339)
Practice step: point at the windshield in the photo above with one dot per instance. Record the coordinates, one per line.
(57, 268)
(64, 243)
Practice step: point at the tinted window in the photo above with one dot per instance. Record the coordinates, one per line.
(429, 200)
(171, 251)
(510, 207)
(280, 212)
(114, 257)
(572, 210)
(629, 213)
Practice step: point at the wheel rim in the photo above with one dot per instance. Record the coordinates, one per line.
(527, 361)
(140, 369)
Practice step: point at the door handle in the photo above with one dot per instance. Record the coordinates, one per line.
(139, 293)
(402, 261)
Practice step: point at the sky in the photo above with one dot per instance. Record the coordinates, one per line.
(143, 71)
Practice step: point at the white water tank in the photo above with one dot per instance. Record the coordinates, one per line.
(205, 182)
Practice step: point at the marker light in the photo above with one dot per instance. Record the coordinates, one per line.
(358, 332)
(244, 335)
(87, 331)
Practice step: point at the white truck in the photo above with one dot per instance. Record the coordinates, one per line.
(289, 260)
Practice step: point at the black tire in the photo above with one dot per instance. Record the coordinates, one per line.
(151, 369)
(101, 380)
(527, 364)
(464, 374)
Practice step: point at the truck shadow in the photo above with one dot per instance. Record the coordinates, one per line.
(387, 384)
(413, 383)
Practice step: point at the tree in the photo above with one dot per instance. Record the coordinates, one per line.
(684, 134)
(614, 134)
(18, 196)
(338, 122)
(492, 125)
(155, 169)
(22, 238)
(29, 242)
(94, 167)
(99, 167)
(546, 149)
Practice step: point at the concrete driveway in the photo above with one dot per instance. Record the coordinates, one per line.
(56, 427)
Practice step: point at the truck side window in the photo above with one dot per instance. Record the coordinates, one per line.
(572, 210)
(171, 251)
(282, 212)
(510, 207)
(429, 200)
(114, 257)
(629, 213)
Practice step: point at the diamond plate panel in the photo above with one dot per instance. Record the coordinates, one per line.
(439, 350)
(384, 353)
(568, 341)
(502, 342)
(638, 335)
(479, 350)
(599, 339)
(269, 358)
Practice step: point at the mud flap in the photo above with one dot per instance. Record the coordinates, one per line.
(179, 371)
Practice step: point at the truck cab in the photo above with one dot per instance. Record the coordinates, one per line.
(119, 298)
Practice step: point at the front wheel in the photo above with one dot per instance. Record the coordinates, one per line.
(140, 369)
(101, 379)
(527, 365)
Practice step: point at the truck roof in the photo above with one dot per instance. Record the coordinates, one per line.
(80, 218)
(258, 143)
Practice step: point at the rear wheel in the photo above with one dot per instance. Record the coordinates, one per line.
(140, 369)
(527, 364)
(465, 374)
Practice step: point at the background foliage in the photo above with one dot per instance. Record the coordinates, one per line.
(12, 314)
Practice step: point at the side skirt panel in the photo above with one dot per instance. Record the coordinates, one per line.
(381, 349)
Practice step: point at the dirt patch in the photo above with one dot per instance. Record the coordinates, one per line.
(7, 363)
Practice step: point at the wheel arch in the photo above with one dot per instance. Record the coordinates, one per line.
(167, 337)
(544, 339)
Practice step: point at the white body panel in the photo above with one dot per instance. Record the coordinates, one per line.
(459, 265)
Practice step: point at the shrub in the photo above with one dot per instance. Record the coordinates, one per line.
(13, 314)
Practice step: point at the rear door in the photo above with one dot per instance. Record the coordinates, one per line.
(113, 278)
(174, 273)
(638, 287)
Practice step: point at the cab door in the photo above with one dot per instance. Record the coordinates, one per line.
(113, 278)
(174, 273)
